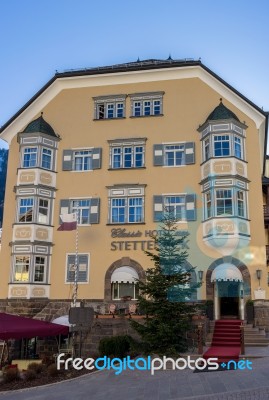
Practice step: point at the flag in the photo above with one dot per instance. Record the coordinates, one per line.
(69, 222)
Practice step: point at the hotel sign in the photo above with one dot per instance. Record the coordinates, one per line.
(135, 240)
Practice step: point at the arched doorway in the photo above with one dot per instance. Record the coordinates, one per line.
(228, 285)
(120, 278)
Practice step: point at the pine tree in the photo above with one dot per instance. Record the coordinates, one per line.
(163, 297)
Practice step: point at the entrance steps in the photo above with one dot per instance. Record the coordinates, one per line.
(254, 336)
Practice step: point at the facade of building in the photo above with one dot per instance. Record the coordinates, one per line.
(120, 144)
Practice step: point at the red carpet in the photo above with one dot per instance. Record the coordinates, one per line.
(225, 341)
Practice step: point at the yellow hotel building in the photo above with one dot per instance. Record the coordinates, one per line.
(120, 144)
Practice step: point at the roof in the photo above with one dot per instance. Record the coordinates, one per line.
(16, 327)
(221, 112)
(39, 125)
(138, 65)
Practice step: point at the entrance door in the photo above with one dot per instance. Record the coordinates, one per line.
(229, 299)
(229, 307)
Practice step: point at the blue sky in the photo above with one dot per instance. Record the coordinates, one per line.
(39, 37)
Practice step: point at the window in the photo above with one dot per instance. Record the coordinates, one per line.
(238, 147)
(183, 206)
(146, 104)
(83, 160)
(83, 209)
(109, 107)
(127, 211)
(208, 205)
(21, 269)
(83, 268)
(30, 157)
(39, 269)
(43, 211)
(222, 146)
(176, 206)
(123, 290)
(174, 155)
(26, 210)
(206, 149)
(88, 209)
(126, 205)
(241, 209)
(130, 156)
(46, 158)
(225, 202)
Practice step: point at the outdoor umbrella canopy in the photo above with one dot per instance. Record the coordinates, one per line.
(16, 327)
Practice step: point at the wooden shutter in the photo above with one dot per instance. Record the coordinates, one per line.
(191, 207)
(189, 153)
(95, 211)
(82, 268)
(158, 155)
(157, 208)
(96, 158)
(67, 160)
(64, 208)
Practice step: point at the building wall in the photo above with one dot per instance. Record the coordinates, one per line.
(186, 105)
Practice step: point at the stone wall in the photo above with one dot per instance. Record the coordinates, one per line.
(261, 314)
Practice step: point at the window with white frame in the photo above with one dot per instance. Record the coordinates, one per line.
(82, 207)
(127, 156)
(29, 157)
(26, 209)
(225, 202)
(39, 269)
(109, 107)
(226, 145)
(221, 145)
(124, 289)
(208, 205)
(146, 104)
(174, 155)
(125, 207)
(43, 211)
(238, 147)
(46, 158)
(240, 200)
(176, 205)
(82, 160)
(82, 268)
(21, 268)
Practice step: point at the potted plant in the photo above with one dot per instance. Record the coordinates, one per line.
(250, 311)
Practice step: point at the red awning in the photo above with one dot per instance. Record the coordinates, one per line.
(15, 327)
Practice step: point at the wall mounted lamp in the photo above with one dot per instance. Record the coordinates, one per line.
(259, 274)
(200, 275)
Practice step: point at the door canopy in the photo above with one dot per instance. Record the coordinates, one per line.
(125, 275)
(226, 273)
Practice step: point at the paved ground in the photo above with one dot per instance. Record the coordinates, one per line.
(164, 385)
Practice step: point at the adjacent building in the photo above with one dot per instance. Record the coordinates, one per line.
(120, 144)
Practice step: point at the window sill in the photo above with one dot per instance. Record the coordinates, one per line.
(146, 116)
(108, 119)
(125, 168)
(125, 223)
(225, 217)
